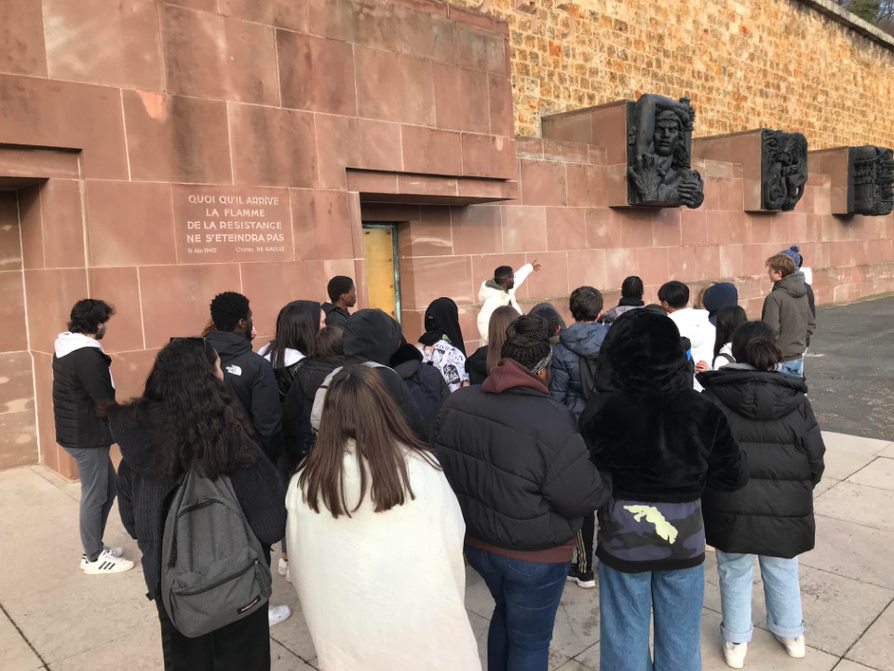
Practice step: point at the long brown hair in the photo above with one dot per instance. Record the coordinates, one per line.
(358, 407)
(500, 320)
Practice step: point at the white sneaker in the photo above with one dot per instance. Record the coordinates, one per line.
(282, 566)
(277, 614)
(795, 647)
(734, 654)
(115, 552)
(107, 563)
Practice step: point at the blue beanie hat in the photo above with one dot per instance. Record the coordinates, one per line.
(719, 296)
(794, 253)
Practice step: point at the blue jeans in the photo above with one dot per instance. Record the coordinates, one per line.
(793, 367)
(782, 593)
(626, 602)
(527, 597)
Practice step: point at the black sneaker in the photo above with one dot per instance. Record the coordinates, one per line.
(586, 580)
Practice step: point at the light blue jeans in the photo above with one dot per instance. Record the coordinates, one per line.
(793, 367)
(626, 603)
(782, 594)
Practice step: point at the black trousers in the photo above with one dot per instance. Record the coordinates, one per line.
(241, 646)
(585, 544)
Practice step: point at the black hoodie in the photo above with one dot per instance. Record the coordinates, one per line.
(661, 441)
(427, 386)
(251, 379)
(773, 422)
(371, 335)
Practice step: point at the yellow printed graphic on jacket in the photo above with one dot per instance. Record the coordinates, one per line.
(663, 528)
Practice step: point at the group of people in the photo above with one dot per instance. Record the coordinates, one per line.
(383, 466)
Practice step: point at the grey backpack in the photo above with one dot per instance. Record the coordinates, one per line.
(213, 568)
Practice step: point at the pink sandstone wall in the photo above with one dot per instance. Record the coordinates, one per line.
(128, 126)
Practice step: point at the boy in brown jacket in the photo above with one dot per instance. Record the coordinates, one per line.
(787, 311)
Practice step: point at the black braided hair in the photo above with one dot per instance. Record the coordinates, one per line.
(527, 341)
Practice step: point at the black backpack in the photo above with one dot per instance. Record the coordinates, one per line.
(587, 375)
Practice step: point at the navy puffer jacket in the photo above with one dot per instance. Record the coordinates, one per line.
(579, 340)
(772, 421)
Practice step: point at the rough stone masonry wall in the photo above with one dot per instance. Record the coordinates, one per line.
(744, 63)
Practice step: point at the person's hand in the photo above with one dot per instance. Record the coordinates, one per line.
(702, 366)
(536, 266)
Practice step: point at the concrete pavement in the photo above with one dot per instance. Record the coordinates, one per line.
(52, 616)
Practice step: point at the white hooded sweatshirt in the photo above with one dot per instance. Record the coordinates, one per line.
(493, 297)
(694, 324)
(68, 342)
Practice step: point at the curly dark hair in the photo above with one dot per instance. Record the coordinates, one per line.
(227, 309)
(87, 314)
(204, 426)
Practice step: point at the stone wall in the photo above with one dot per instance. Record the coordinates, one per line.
(744, 63)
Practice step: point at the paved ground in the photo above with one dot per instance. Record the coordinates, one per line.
(54, 617)
(850, 368)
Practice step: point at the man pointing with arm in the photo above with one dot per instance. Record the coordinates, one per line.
(500, 291)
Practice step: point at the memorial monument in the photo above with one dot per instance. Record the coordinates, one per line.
(783, 169)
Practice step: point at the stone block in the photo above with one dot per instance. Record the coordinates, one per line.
(477, 229)
(119, 287)
(321, 225)
(316, 74)
(488, 156)
(213, 56)
(280, 13)
(394, 87)
(424, 279)
(104, 41)
(603, 228)
(12, 311)
(429, 235)
(177, 139)
(461, 98)
(129, 223)
(430, 151)
(269, 286)
(566, 228)
(272, 147)
(524, 228)
(22, 38)
(50, 295)
(542, 182)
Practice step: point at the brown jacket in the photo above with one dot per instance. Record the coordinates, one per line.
(787, 310)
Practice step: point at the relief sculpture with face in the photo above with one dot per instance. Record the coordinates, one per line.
(659, 164)
(870, 180)
(783, 169)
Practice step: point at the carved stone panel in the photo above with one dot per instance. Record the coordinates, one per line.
(783, 169)
(659, 159)
(870, 176)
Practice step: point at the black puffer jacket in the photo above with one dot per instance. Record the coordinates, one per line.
(144, 497)
(773, 422)
(250, 377)
(516, 462)
(81, 381)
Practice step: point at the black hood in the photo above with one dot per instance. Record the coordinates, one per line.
(755, 394)
(371, 335)
(229, 344)
(643, 353)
